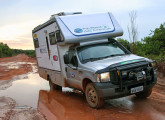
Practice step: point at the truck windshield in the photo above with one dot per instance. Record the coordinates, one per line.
(100, 51)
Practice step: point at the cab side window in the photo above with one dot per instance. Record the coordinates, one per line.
(52, 38)
(73, 58)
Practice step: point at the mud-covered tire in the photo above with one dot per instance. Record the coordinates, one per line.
(54, 86)
(144, 94)
(92, 97)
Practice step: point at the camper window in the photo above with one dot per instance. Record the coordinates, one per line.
(52, 38)
(59, 37)
(36, 43)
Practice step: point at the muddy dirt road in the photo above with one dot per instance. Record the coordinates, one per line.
(26, 96)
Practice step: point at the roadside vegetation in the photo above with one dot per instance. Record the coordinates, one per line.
(152, 46)
(5, 51)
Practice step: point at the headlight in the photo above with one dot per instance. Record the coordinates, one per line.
(154, 65)
(104, 77)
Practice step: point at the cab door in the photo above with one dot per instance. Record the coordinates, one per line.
(72, 70)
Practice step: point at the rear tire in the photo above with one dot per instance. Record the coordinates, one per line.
(92, 97)
(54, 86)
(144, 94)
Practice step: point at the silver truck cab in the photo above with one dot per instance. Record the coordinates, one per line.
(105, 69)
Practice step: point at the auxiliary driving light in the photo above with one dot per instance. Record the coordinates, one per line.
(124, 73)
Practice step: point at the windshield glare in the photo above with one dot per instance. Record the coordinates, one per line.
(98, 51)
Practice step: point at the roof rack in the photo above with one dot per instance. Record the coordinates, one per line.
(64, 14)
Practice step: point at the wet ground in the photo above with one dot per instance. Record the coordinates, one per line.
(27, 97)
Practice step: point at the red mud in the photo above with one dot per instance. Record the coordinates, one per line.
(7, 73)
(56, 105)
(18, 58)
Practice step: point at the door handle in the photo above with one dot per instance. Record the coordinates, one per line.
(74, 68)
(80, 72)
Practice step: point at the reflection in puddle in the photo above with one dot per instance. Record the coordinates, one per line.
(2, 104)
(124, 102)
(72, 106)
(63, 106)
(13, 65)
(25, 91)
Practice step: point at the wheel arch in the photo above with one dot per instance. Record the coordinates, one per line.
(85, 82)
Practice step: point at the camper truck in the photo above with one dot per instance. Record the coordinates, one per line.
(80, 51)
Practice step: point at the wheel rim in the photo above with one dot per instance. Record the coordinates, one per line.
(92, 96)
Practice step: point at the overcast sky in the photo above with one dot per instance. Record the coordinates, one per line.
(19, 17)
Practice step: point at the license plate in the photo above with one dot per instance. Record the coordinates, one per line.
(137, 89)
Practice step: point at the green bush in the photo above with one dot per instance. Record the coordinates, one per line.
(152, 46)
(5, 51)
(30, 53)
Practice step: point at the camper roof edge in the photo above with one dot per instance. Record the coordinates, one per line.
(52, 19)
(39, 27)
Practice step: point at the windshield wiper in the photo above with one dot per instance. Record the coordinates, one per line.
(112, 56)
(94, 59)
(91, 59)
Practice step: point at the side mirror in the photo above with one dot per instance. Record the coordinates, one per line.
(128, 47)
(66, 59)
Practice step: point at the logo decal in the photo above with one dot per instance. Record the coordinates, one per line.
(78, 30)
(72, 74)
(93, 29)
(55, 58)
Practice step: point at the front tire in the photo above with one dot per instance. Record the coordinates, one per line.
(144, 94)
(92, 97)
(54, 86)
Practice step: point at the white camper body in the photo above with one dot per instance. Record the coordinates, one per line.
(78, 51)
(73, 29)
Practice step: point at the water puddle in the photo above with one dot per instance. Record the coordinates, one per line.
(25, 88)
(124, 102)
(2, 104)
(13, 65)
(30, 90)
(63, 106)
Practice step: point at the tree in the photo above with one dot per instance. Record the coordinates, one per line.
(132, 30)
(0, 52)
(5, 51)
(155, 43)
(123, 42)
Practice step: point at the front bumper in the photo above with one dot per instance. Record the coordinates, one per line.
(109, 90)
